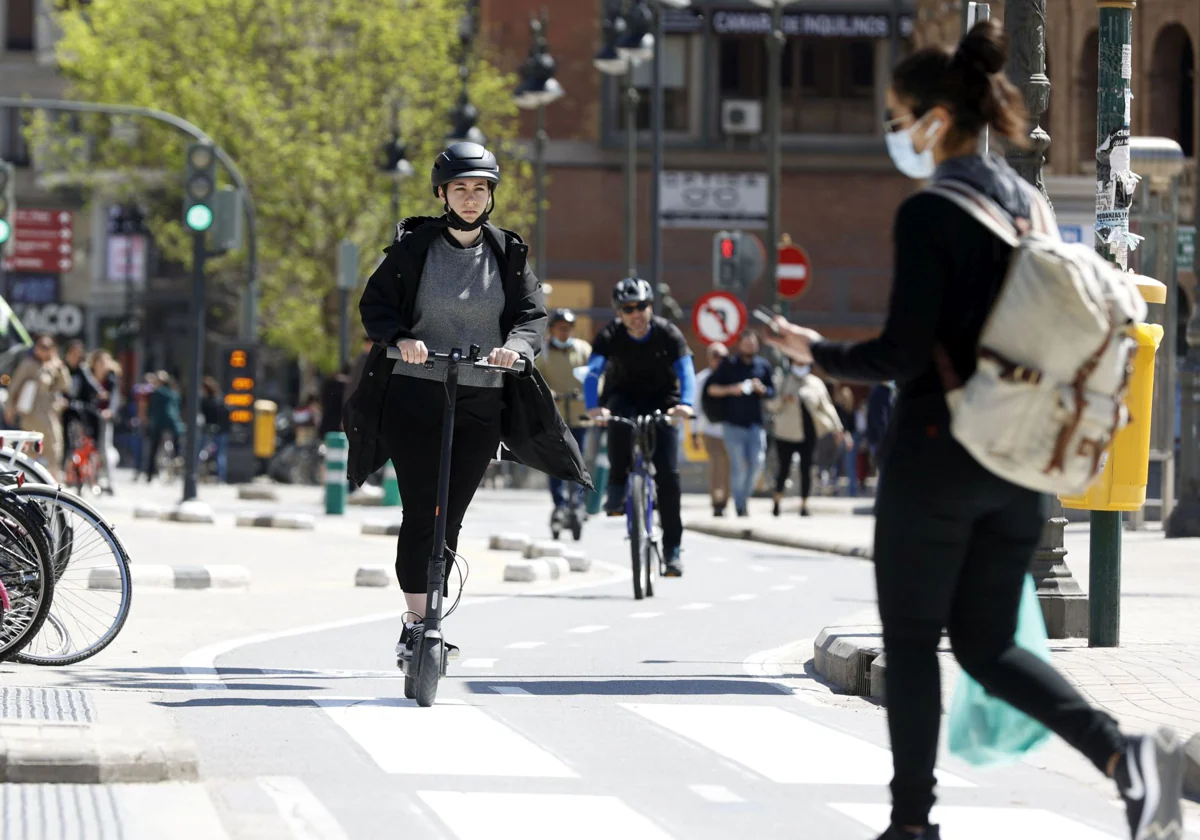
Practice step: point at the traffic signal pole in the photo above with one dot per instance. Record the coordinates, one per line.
(192, 403)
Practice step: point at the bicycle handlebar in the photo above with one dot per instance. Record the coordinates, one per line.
(457, 357)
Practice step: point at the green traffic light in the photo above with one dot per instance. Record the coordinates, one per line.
(5, 231)
(199, 217)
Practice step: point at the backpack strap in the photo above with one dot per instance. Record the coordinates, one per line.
(979, 207)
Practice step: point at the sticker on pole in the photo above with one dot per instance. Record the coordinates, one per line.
(793, 273)
(719, 317)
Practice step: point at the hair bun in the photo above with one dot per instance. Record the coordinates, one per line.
(983, 49)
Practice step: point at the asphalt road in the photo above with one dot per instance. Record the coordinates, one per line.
(580, 713)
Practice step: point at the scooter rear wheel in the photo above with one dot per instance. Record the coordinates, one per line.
(429, 670)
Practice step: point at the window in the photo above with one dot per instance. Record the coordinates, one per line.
(678, 67)
(12, 136)
(828, 83)
(20, 25)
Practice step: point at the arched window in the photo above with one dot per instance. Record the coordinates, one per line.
(1172, 88)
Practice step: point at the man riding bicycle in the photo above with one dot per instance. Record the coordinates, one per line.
(647, 367)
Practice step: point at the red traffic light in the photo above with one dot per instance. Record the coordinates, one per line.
(727, 247)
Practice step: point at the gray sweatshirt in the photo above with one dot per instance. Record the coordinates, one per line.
(459, 303)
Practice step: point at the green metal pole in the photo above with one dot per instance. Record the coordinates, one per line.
(1114, 195)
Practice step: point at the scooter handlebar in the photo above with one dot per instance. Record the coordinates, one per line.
(457, 357)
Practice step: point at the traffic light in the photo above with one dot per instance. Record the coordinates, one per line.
(200, 187)
(738, 259)
(8, 206)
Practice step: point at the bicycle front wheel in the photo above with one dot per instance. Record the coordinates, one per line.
(639, 542)
(26, 573)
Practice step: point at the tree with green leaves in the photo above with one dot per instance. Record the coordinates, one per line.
(300, 94)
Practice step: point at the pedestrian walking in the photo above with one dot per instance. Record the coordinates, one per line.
(708, 431)
(216, 423)
(38, 394)
(164, 422)
(562, 355)
(803, 414)
(743, 381)
(953, 541)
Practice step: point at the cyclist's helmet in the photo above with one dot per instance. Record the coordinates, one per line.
(632, 290)
(559, 316)
(464, 160)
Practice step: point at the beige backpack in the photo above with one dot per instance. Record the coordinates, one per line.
(1055, 354)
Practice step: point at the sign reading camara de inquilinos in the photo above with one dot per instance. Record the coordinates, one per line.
(714, 200)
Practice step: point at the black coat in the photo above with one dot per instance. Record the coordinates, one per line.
(531, 429)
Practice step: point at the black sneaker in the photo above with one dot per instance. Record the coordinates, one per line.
(895, 832)
(1149, 776)
(674, 566)
(719, 510)
(410, 636)
(614, 502)
(775, 509)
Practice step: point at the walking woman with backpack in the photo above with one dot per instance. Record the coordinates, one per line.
(953, 540)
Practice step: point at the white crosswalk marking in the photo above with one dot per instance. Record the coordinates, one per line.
(715, 793)
(303, 813)
(167, 809)
(449, 738)
(478, 663)
(525, 645)
(645, 615)
(532, 816)
(510, 690)
(589, 628)
(696, 606)
(779, 745)
(984, 823)
(745, 596)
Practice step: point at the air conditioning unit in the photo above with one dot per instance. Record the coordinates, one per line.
(741, 116)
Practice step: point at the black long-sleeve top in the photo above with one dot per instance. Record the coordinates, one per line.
(948, 272)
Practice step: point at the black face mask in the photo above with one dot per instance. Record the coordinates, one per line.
(459, 223)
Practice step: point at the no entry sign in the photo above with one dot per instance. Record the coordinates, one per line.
(719, 317)
(794, 272)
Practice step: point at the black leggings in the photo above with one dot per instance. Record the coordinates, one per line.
(785, 452)
(952, 546)
(412, 429)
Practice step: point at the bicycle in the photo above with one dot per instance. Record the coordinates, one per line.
(645, 547)
(83, 461)
(26, 573)
(429, 660)
(571, 516)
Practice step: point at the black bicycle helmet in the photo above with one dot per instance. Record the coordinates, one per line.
(464, 160)
(632, 290)
(561, 315)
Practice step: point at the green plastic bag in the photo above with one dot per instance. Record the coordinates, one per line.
(983, 730)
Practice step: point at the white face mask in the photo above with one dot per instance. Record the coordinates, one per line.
(910, 162)
(562, 345)
(801, 372)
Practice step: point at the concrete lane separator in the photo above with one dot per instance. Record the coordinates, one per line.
(844, 655)
(374, 576)
(536, 570)
(544, 548)
(191, 512)
(47, 753)
(257, 493)
(509, 542)
(288, 521)
(577, 560)
(736, 531)
(381, 528)
(159, 576)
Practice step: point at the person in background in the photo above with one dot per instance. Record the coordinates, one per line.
(333, 400)
(846, 406)
(107, 374)
(163, 419)
(709, 433)
(562, 354)
(216, 422)
(879, 415)
(743, 381)
(37, 396)
(803, 415)
(140, 421)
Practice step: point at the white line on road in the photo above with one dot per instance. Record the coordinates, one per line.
(447, 739)
(773, 743)
(525, 645)
(304, 814)
(758, 567)
(798, 578)
(697, 606)
(645, 615)
(745, 596)
(510, 690)
(478, 663)
(783, 587)
(539, 816)
(589, 628)
(715, 793)
(983, 823)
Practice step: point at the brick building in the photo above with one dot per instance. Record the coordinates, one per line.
(839, 190)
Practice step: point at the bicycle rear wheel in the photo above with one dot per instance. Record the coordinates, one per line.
(93, 587)
(26, 572)
(639, 545)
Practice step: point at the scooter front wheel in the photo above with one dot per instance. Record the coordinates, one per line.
(429, 670)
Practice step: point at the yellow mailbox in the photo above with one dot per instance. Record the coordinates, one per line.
(1121, 485)
(264, 428)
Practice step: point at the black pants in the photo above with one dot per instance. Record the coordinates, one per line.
(666, 464)
(412, 429)
(785, 451)
(952, 546)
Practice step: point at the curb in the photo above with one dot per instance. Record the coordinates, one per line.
(374, 576)
(381, 528)
(845, 655)
(257, 493)
(92, 754)
(172, 577)
(509, 542)
(799, 541)
(536, 570)
(289, 521)
(194, 512)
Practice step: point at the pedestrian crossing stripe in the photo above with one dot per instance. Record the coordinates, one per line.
(983, 823)
(538, 816)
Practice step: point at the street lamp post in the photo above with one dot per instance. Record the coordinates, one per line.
(775, 42)
(538, 89)
(610, 61)
(464, 116)
(1064, 604)
(395, 161)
